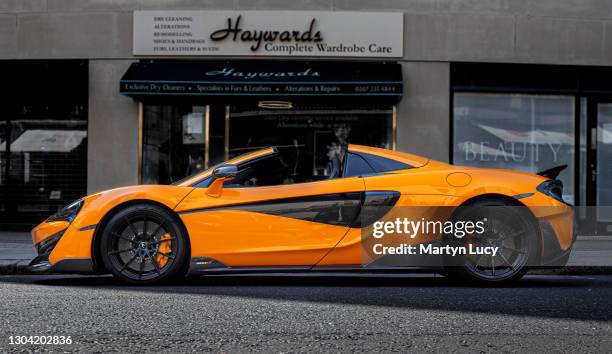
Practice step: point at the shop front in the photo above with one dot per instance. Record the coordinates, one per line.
(198, 113)
(535, 117)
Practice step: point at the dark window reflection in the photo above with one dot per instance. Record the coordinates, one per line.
(43, 139)
(173, 142)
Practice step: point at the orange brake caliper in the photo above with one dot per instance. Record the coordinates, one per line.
(164, 247)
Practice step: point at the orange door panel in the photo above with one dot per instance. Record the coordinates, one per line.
(427, 180)
(286, 225)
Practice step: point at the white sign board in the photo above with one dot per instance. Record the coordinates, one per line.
(268, 33)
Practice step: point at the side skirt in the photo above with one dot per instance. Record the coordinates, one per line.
(209, 266)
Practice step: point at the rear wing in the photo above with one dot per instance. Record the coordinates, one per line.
(552, 173)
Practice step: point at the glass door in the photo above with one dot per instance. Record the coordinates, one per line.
(175, 142)
(600, 165)
(3, 163)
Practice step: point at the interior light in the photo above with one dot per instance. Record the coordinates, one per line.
(275, 104)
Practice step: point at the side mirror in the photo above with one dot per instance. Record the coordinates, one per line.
(225, 172)
(220, 175)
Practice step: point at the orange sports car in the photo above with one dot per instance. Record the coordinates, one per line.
(255, 214)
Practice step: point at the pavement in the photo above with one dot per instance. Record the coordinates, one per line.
(591, 254)
(275, 313)
(16, 246)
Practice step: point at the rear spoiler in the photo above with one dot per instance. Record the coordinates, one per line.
(552, 173)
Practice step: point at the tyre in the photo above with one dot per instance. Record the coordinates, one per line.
(144, 244)
(510, 228)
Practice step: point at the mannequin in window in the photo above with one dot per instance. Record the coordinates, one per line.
(337, 150)
(194, 164)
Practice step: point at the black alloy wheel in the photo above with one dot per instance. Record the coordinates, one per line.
(144, 244)
(508, 227)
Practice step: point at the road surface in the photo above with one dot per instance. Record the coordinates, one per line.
(276, 313)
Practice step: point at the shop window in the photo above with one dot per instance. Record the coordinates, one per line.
(515, 131)
(43, 139)
(180, 140)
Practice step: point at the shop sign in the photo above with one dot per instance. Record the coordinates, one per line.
(263, 78)
(268, 33)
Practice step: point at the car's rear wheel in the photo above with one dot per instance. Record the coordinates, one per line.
(511, 229)
(144, 244)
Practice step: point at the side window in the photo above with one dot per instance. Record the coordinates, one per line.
(269, 171)
(204, 183)
(381, 164)
(356, 166)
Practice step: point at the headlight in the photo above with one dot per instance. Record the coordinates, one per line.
(552, 188)
(68, 213)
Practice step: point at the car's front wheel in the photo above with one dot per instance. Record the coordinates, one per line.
(144, 244)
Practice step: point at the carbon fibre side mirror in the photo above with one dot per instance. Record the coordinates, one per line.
(226, 172)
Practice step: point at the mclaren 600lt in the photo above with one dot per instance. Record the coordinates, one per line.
(254, 213)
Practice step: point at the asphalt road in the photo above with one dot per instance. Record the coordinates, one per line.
(309, 314)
